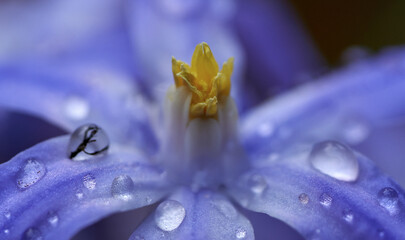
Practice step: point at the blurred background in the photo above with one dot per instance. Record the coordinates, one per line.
(342, 31)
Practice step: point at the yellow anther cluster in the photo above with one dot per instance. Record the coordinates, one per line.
(208, 85)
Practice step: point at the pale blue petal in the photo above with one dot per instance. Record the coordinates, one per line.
(72, 95)
(329, 208)
(44, 190)
(345, 105)
(209, 215)
(162, 29)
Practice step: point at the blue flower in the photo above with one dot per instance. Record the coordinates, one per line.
(292, 157)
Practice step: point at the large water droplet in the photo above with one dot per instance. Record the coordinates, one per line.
(87, 141)
(388, 198)
(304, 199)
(32, 234)
(77, 108)
(325, 200)
(348, 215)
(169, 215)
(240, 233)
(89, 182)
(53, 219)
(336, 160)
(30, 173)
(225, 208)
(122, 187)
(257, 184)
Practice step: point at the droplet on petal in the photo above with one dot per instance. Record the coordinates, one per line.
(122, 187)
(53, 219)
(304, 199)
(169, 215)
(388, 198)
(257, 184)
(89, 182)
(32, 234)
(30, 173)
(77, 108)
(348, 215)
(86, 142)
(240, 233)
(336, 160)
(325, 200)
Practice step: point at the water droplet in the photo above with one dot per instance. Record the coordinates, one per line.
(265, 129)
(7, 214)
(304, 199)
(79, 195)
(86, 142)
(225, 208)
(257, 184)
(348, 215)
(169, 215)
(388, 198)
(77, 108)
(89, 182)
(122, 187)
(53, 219)
(31, 173)
(325, 200)
(240, 233)
(6, 231)
(336, 160)
(32, 234)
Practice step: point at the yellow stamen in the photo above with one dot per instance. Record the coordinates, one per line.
(208, 85)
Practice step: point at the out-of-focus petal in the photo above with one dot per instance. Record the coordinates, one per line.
(322, 207)
(279, 53)
(208, 215)
(344, 106)
(44, 192)
(174, 28)
(72, 95)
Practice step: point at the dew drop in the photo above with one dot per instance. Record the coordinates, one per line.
(388, 198)
(79, 195)
(240, 233)
(89, 182)
(257, 184)
(325, 200)
(169, 215)
(32, 234)
(86, 142)
(122, 187)
(53, 219)
(30, 173)
(225, 208)
(336, 160)
(304, 199)
(348, 215)
(77, 108)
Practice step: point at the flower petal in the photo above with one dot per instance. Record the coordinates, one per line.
(343, 106)
(320, 206)
(208, 215)
(72, 95)
(44, 192)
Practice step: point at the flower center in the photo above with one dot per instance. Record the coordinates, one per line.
(200, 144)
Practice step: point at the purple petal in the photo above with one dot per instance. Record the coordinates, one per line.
(345, 106)
(320, 206)
(208, 215)
(72, 95)
(43, 191)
